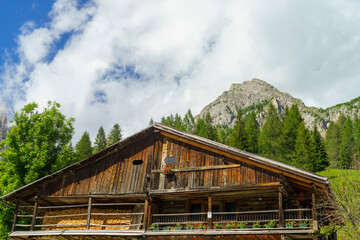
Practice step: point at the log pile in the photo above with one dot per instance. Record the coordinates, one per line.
(81, 220)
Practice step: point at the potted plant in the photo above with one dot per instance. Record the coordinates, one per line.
(154, 227)
(217, 226)
(256, 225)
(167, 228)
(304, 224)
(290, 224)
(189, 226)
(201, 226)
(178, 226)
(230, 225)
(167, 170)
(270, 224)
(242, 225)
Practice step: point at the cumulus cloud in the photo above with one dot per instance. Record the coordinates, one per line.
(128, 61)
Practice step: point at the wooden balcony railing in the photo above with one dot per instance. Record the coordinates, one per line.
(298, 214)
(183, 218)
(253, 216)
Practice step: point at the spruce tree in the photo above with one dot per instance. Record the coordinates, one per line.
(290, 125)
(189, 121)
(238, 137)
(151, 122)
(319, 157)
(114, 135)
(302, 155)
(83, 147)
(346, 146)
(252, 131)
(268, 138)
(100, 140)
(204, 128)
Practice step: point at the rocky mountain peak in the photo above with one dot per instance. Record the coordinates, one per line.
(256, 95)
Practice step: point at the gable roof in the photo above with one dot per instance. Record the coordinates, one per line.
(182, 136)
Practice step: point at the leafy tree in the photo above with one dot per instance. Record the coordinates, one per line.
(346, 146)
(114, 135)
(204, 128)
(238, 138)
(319, 157)
(100, 140)
(302, 157)
(83, 147)
(268, 138)
(38, 144)
(252, 132)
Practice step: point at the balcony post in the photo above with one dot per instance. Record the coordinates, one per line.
(281, 209)
(146, 210)
(15, 216)
(33, 220)
(209, 217)
(314, 213)
(149, 218)
(89, 214)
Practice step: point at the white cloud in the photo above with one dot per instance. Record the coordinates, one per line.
(127, 61)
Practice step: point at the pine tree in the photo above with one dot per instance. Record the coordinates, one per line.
(204, 128)
(302, 157)
(268, 138)
(100, 140)
(151, 122)
(114, 135)
(332, 143)
(319, 157)
(346, 146)
(83, 148)
(238, 138)
(252, 131)
(189, 121)
(290, 125)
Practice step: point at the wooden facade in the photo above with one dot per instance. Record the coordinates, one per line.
(121, 191)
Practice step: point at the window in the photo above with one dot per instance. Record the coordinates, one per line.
(137, 162)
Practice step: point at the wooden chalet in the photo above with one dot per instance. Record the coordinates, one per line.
(123, 192)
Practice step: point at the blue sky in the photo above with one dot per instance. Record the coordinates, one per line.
(13, 14)
(111, 61)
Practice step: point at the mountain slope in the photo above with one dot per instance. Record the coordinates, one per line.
(257, 95)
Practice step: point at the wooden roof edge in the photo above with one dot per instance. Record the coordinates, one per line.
(242, 153)
(93, 158)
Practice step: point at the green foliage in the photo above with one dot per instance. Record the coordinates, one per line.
(238, 138)
(302, 154)
(268, 139)
(204, 128)
(83, 147)
(252, 131)
(319, 157)
(38, 144)
(346, 145)
(114, 135)
(100, 140)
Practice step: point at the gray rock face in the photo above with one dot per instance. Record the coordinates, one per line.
(256, 95)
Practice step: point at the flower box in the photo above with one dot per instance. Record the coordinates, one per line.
(256, 226)
(178, 228)
(166, 228)
(189, 228)
(303, 225)
(217, 228)
(289, 226)
(229, 227)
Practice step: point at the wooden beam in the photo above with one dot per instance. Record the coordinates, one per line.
(150, 211)
(88, 214)
(281, 209)
(146, 213)
(209, 219)
(15, 216)
(33, 220)
(314, 213)
(204, 168)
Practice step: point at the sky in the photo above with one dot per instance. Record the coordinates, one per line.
(111, 61)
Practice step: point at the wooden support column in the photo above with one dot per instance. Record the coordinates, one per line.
(281, 208)
(33, 220)
(15, 216)
(149, 217)
(89, 214)
(210, 217)
(146, 210)
(314, 213)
